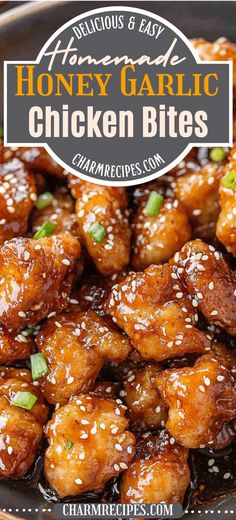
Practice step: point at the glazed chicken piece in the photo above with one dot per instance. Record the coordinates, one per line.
(199, 193)
(21, 430)
(61, 212)
(201, 399)
(210, 281)
(155, 312)
(14, 347)
(146, 408)
(88, 444)
(36, 278)
(17, 196)
(157, 238)
(219, 50)
(160, 472)
(102, 216)
(226, 224)
(40, 160)
(75, 346)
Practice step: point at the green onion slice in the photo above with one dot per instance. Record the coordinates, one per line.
(230, 180)
(44, 200)
(217, 154)
(1, 132)
(153, 204)
(97, 232)
(69, 445)
(45, 231)
(24, 400)
(39, 367)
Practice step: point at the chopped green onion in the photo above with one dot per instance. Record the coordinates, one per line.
(217, 154)
(45, 231)
(69, 445)
(153, 204)
(97, 232)
(44, 200)
(1, 132)
(230, 180)
(24, 400)
(39, 367)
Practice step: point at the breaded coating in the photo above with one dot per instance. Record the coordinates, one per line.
(14, 347)
(38, 159)
(157, 238)
(61, 212)
(107, 207)
(210, 281)
(153, 309)
(36, 278)
(88, 444)
(17, 197)
(146, 408)
(160, 472)
(75, 346)
(21, 430)
(201, 399)
(219, 50)
(199, 193)
(226, 224)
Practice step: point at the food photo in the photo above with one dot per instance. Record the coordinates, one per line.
(118, 310)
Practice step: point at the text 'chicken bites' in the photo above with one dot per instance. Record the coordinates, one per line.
(201, 400)
(159, 473)
(88, 444)
(17, 197)
(155, 311)
(210, 281)
(36, 278)
(102, 216)
(21, 430)
(75, 346)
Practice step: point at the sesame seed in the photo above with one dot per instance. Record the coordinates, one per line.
(211, 286)
(129, 449)
(214, 313)
(22, 314)
(78, 481)
(172, 440)
(9, 450)
(227, 475)
(158, 409)
(211, 462)
(118, 447)
(116, 467)
(70, 380)
(220, 378)
(65, 261)
(82, 456)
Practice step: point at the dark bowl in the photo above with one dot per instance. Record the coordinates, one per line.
(24, 28)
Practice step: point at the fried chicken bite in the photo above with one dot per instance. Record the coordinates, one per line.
(210, 281)
(14, 347)
(226, 224)
(157, 238)
(17, 196)
(21, 430)
(75, 346)
(153, 309)
(88, 444)
(61, 212)
(36, 278)
(146, 408)
(103, 209)
(40, 160)
(160, 472)
(199, 193)
(201, 399)
(219, 50)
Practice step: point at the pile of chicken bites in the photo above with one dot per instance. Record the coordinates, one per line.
(117, 321)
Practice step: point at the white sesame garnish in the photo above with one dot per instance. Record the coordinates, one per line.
(211, 286)
(82, 456)
(116, 467)
(227, 475)
(78, 481)
(220, 378)
(65, 261)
